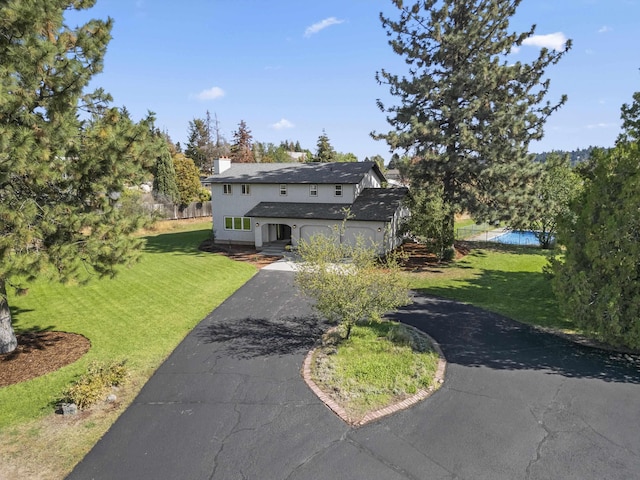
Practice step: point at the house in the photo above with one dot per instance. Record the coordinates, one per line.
(258, 203)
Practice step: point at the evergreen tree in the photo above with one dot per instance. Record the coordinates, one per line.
(199, 143)
(325, 152)
(61, 178)
(241, 148)
(466, 111)
(598, 281)
(165, 187)
(187, 180)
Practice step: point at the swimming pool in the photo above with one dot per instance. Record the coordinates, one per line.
(517, 237)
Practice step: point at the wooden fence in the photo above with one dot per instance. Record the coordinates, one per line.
(170, 211)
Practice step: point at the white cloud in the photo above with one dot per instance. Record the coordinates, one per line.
(601, 125)
(554, 41)
(282, 124)
(321, 25)
(210, 94)
(604, 29)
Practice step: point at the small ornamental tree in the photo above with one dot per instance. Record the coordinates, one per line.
(597, 283)
(349, 283)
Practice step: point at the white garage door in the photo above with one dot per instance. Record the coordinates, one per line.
(309, 231)
(367, 236)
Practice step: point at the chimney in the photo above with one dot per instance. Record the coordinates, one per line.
(221, 164)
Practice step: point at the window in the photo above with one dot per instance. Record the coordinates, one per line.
(226, 188)
(283, 189)
(313, 190)
(246, 189)
(237, 223)
(338, 191)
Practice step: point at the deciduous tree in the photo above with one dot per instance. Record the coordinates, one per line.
(348, 282)
(467, 109)
(61, 177)
(554, 189)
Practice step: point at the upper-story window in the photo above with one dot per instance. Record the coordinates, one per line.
(338, 192)
(283, 189)
(246, 189)
(313, 190)
(226, 188)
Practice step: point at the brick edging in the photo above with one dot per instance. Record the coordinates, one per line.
(389, 409)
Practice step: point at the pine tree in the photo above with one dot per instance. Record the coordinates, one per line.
(241, 151)
(324, 152)
(199, 143)
(466, 111)
(61, 177)
(165, 187)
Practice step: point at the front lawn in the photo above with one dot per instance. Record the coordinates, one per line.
(140, 316)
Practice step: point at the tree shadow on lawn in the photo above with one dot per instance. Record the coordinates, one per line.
(259, 337)
(179, 242)
(474, 337)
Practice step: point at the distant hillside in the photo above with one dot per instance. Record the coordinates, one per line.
(576, 156)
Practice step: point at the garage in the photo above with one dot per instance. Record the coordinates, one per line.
(308, 231)
(366, 235)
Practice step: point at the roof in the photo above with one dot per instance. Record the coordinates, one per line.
(323, 173)
(373, 204)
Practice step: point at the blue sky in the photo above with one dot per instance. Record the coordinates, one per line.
(290, 69)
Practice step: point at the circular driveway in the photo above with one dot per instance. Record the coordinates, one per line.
(230, 403)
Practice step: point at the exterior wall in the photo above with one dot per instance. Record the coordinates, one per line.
(237, 204)
(370, 180)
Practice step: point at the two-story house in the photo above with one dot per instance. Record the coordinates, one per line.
(258, 203)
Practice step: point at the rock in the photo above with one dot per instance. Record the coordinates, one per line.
(112, 398)
(68, 408)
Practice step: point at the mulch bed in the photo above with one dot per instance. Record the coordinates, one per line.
(239, 253)
(416, 258)
(38, 353)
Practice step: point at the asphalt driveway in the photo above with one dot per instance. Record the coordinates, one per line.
(230, 403)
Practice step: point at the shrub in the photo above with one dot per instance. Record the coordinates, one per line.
(91, 386)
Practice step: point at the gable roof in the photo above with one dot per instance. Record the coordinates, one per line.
(334, 172)
(373, 204)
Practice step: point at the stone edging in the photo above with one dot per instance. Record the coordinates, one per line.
(383, 412)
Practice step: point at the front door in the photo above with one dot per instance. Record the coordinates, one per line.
(283, 232)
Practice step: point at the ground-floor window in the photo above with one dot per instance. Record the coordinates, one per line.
(237, 223)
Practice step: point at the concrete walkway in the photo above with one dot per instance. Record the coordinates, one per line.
(229, 403)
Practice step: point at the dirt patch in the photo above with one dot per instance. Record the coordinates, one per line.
(240, 253)
(417, 258)
(39, 353)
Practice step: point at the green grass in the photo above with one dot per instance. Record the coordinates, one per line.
(368, 371)
(506, 280)
(141, 315)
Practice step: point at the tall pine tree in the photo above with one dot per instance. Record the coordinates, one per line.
(465, 110)
(61, 177)
(324, 152)
(241, 148)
